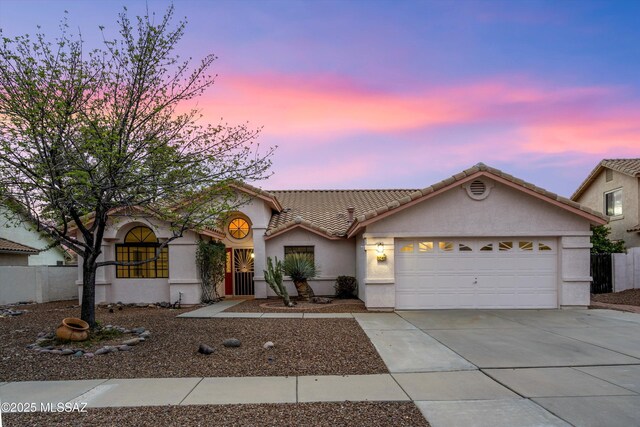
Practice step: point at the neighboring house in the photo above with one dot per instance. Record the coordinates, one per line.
(613, 188)
(480, 239)
(25, 233)
(15, 254)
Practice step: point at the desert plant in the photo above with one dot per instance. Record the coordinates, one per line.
(210, 260)
(345, 286)
(273, 277)
(300, 267)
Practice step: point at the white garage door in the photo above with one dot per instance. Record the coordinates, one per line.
(478, 273)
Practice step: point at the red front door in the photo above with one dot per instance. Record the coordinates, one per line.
(228, 274)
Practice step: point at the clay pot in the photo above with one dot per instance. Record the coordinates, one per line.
(73, 329)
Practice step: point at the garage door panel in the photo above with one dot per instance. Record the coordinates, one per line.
(472, 278)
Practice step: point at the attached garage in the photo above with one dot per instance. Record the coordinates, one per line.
(503, 272)
(480, 239)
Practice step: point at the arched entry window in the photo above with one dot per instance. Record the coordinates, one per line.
(141, 244)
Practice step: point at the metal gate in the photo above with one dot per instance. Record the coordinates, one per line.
(601, 274)
(243, 271)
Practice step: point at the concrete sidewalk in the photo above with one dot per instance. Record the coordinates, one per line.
(200, 391)
(217, 311)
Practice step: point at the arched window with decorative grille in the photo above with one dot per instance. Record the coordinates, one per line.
(141, 244)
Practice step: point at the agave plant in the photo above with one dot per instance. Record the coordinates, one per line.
(300, 267)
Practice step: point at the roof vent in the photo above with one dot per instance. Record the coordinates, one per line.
(350, 212)
(478, 189)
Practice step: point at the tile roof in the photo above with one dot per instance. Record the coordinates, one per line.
(325, 211)
(629, 167)
(636, 228)
(8, 246)
(479, 168)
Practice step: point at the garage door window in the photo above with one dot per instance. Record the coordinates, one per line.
(543, 247)
(446, 246)
(487, 248)
(505, 246)
(525, 246)
(407, 248)
(464, 248)
(425, 247)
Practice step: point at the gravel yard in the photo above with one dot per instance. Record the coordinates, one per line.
(302, 347)
(628, 297)
(275, 305)
(301, 414)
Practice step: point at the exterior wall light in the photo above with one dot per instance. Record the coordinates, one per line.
(381, 256)
(253, 255)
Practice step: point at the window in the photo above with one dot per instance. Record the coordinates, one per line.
(487, 248)
(543, 247)
(445, 246)
(407, 248)
(307, 250)
(463, 248)
(613, 203)
(425, 247)
(505, 246)
(141, 244)
(525, 246)
(239, 228)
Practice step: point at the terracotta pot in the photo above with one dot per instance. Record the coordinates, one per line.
(73, 329)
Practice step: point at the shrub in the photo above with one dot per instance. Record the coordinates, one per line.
(346, 286)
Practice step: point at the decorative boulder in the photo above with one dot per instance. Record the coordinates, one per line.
(205, 349)
(231, 342)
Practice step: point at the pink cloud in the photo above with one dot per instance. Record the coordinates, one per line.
(446, 128)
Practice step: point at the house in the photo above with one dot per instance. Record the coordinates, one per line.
(613, 188)
(20, 231)
(12, 253)
(479, 239)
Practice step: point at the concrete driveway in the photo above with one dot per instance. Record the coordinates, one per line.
(514, 367)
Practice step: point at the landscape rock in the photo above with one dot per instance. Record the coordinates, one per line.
(124, 347)
(268, 345)
(137, 331)
(321, 300)
(205, 349)
(67, 352)
(88, 355)
(231, 342)
(131, 342)
(78, 354)
(103, 350)
(145, 334)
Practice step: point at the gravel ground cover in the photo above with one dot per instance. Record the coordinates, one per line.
(378, 414)
(302, 347)
(628, 297)
(275, 305)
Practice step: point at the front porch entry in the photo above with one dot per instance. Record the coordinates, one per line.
(238, 279)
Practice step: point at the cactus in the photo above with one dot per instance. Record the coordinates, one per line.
(273, 276)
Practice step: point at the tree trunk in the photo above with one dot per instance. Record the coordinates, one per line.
(88, 311)
(304, 290)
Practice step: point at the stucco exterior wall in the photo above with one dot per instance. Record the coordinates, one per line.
(183, 275)
(593, 197)
(14, 259)
(361, 267)
(23, 234)
(505, 212)
(333, 257)
(37, 283)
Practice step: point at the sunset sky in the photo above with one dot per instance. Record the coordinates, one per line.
(402, 94)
